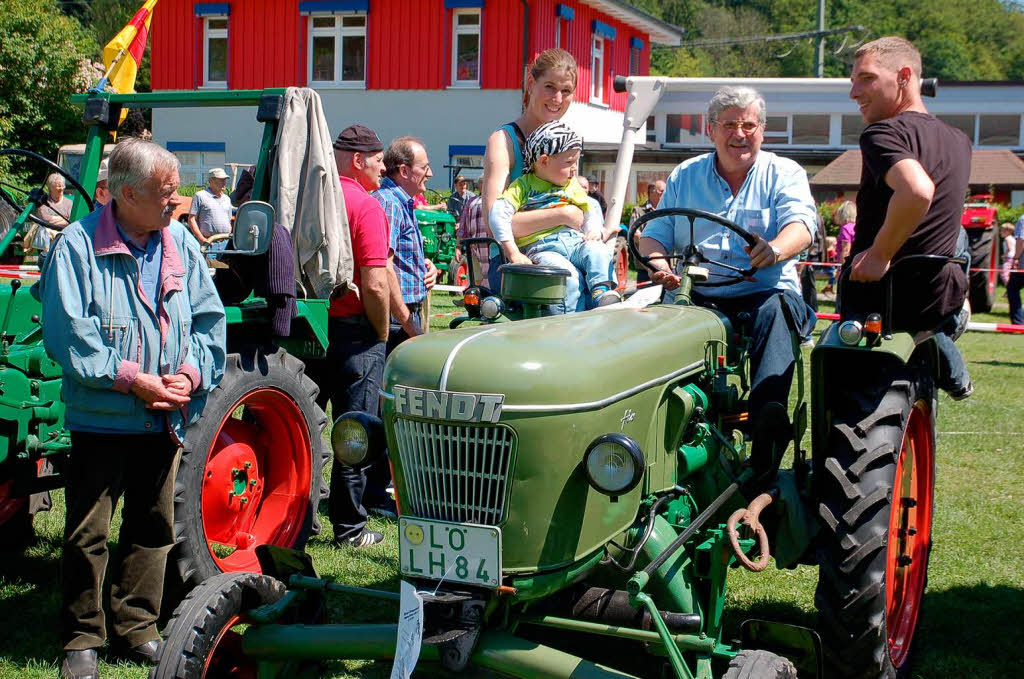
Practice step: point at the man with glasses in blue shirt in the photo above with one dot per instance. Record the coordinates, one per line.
(769, 197)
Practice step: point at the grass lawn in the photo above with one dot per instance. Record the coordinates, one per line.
(976, 583)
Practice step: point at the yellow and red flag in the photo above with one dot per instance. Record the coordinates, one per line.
(123, 55)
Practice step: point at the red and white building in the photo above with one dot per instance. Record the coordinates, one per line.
(447, 71)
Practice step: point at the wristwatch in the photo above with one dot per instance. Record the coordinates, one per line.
(778, 253)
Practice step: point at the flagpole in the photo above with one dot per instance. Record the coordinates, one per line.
(106, 76)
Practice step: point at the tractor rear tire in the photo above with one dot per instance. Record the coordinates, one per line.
(200, 639)
(981, 295)
(760, 665)
(876, 498)
(251, 469)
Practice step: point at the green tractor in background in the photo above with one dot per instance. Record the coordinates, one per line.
(560, 520)
(251, 470)
(438, 230)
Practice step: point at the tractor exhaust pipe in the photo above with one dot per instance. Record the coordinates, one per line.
(612, 607)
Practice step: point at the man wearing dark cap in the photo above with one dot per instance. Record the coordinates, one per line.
(358, 330)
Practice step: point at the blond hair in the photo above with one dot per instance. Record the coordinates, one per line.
(845, 213)
(553, 59)
(893, 52)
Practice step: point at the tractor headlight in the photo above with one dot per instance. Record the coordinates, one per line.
(850, 332)
(491, 308)
(357, 439)
(614, 464)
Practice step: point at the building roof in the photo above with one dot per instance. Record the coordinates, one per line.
(659, 31)
(996, 167)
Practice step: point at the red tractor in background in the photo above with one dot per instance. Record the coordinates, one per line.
(979, 218)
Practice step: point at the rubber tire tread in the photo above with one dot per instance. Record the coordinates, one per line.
(981, 258)
(243, 372)
(200, 617)
(760, 665)
(854, 519)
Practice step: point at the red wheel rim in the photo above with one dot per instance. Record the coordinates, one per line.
(9, 506)
(462, 274)
(910, 527)
(226, 658)
(256, 481)
(622, 268)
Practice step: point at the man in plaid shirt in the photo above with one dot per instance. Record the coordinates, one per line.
(407, 170)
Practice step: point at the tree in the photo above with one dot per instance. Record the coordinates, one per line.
(43, 61)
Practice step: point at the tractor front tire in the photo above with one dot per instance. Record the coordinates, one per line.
(760, 665)
(203, 639)
(876, 499)
(251, 470)
(981, 295)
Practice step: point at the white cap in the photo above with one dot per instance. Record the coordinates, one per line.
(218, 173)
(101, 176)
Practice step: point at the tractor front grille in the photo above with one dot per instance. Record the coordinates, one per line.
(455, 472)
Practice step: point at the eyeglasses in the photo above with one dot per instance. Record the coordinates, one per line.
(748, 126)
(421, 168)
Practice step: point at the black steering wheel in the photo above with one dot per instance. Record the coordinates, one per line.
(37, 195)
(691, 253)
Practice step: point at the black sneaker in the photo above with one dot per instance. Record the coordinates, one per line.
(367, 538)
(962, 393)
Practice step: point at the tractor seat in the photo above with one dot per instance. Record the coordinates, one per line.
(533, 269)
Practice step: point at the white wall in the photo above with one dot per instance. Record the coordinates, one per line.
(439, 118)
(594, 124)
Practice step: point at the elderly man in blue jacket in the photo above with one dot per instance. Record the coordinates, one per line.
(131, 315)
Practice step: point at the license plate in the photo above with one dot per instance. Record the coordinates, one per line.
(456, 552)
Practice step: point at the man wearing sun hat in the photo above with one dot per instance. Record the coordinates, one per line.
(101, 196)
(210, 213)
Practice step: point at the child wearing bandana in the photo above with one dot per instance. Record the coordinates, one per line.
(552, 154)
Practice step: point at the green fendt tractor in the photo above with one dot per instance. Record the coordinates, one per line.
(560, 520)
(251, 470)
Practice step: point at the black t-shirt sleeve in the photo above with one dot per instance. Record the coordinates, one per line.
(882, 145)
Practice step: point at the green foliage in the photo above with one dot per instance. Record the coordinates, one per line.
(627, 209)
(1008, 213)
(827, 210)
(41, 65)
(188, 190)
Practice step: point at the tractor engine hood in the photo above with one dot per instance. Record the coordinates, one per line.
(555, 361)
(488, 425)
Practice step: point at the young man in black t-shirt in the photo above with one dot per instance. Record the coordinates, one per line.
(913, 182)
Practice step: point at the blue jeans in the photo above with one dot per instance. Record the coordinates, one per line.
(355, 368)
(214, 248)
(953, 375)
(396, 335)
(771, 347)
(1013, 288)
(592, 259)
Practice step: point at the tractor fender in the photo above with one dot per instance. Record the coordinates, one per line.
(833, 363)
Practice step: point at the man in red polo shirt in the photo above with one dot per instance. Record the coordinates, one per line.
(358, 332)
